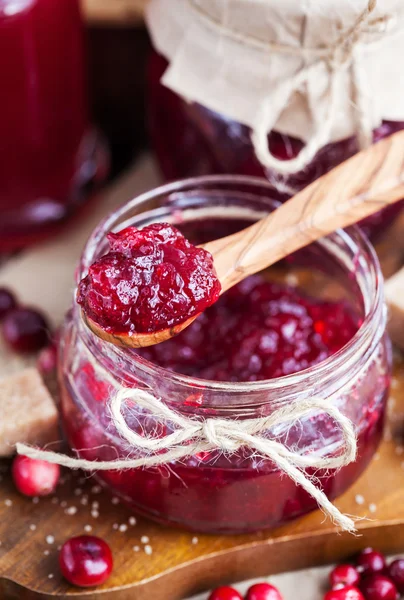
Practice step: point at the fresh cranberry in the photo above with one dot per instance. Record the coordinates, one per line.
(263, 591)
(25, 330)
(348, 592)
(151, 279)
(396, 573)
(345, 575)
(34, 477)
(225, 593)
(379, 587)
(86, 561)
(370, 561)
(7, 302)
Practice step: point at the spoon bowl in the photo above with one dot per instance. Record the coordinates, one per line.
(135, 340)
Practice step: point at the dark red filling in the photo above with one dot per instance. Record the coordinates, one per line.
(257, 330)
(151, 279)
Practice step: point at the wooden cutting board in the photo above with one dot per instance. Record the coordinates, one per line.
(114, 12)
(180, 563)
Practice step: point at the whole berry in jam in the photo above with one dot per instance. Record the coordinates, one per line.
(396, 574)
(25, 330)
(263, 591)
(86, 561)
(151, 279)
(225, 593)
(7, 302)
(344, 593)
(345, 575)
(370, 561)
(34, 477)
(379, 587)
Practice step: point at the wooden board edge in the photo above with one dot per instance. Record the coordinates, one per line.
(117, 13)
(255, 559)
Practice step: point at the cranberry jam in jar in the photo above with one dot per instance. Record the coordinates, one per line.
(312, 326)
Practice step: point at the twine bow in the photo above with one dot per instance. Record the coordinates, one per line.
(191, 436)
(340, 56)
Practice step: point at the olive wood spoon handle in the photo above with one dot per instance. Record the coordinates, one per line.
(359, 187)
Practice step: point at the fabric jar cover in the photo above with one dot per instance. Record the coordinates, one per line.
(318, 70)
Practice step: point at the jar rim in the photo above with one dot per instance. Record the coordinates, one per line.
(371, 328)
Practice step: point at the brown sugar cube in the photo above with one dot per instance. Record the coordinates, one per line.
(27, 412)
(394, 290)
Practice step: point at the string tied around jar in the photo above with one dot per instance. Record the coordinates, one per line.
(340, 56)
(188, 436)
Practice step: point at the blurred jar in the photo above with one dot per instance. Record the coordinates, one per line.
(287, 94)
(50, 156)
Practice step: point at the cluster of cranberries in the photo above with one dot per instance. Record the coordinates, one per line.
(371, 578)
(84, 561)
(259, 591)
(24, 329)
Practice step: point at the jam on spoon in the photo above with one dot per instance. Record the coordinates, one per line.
(150, 281)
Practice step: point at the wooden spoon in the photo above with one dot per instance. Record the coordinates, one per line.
(357, 188)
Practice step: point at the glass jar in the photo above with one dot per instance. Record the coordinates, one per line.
(50, 157)
(191, 140)
(214, 492)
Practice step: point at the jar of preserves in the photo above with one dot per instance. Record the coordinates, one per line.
(312, 326)
(283, 94)
(50, 156)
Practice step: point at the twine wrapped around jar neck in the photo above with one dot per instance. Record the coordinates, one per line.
(192, 436)
(343, 57)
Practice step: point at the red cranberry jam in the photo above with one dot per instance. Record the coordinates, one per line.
(51, 159)
(190, 140)
(312, 326)
(257, 330)
(151, 279)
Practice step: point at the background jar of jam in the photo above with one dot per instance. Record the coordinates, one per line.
(191, 140)
(50, 156)
(239, 492)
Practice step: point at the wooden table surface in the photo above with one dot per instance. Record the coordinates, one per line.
(122, 13)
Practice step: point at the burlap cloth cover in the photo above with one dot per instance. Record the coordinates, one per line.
(320, 70)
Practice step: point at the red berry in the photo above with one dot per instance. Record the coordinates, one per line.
(344, 574)
(344, 593)
(25, 330)
(7, 302)
(396, 573)
(371, 561)
(263, 591)
(34, 477)
(86, 561)
(225, 593)
(379, 587)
